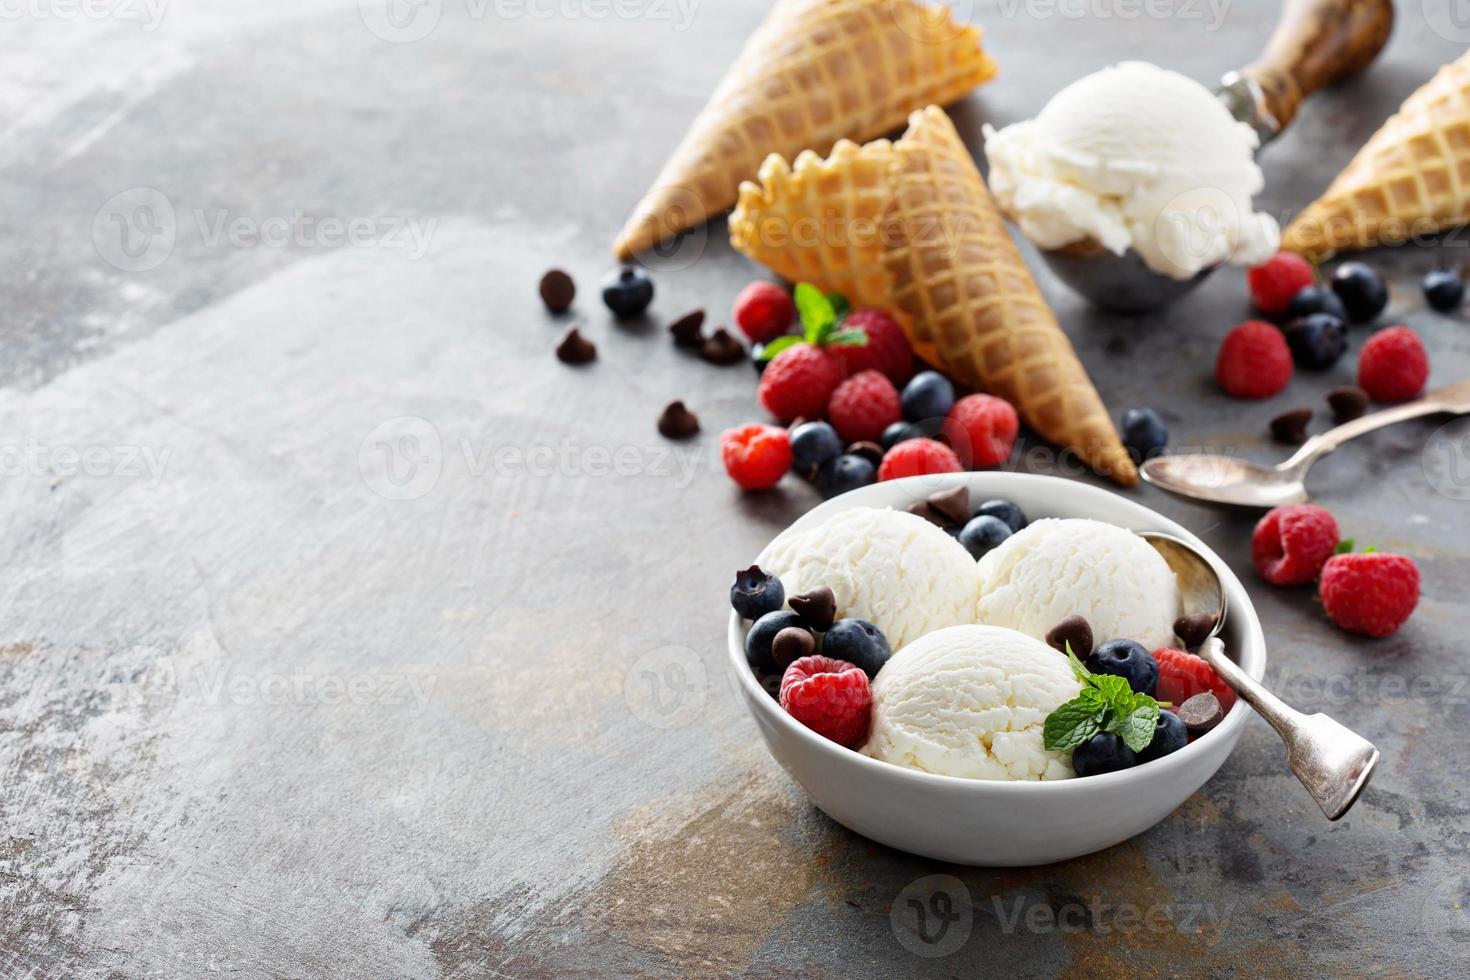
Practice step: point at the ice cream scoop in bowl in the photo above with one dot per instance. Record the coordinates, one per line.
(991, 821)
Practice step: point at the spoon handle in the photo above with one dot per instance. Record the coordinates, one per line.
(1452, 398)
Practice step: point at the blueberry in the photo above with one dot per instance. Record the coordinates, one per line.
(1315, 299)
(1007, 511)
(928, 396)
(896, 433)
(858, 642)
(755, 593)
(1318, 341)
(762, 634)
(627, 291)
(1144, 433)
(846, 472)
(1170, 735)
(983, 533)
(758, 362)
(1129, 660)
(1361, 290)
(812, 444)
(1443, 290)
(1104, 752)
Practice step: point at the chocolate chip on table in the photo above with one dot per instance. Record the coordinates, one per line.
(1073, 631)
(870, 451)
(1195, 628)
(721, 348)
(1201, 712)
(557, 290)
(687, 331)
(573, 348)
(677, 422)
(1348, 403)
(817, 608)
(791, 644)
(952, 504)
(1291, 427)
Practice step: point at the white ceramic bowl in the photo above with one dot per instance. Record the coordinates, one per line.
(988, 822)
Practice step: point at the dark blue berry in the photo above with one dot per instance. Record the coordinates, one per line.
(858, 642)
(1361, 290)
(1144, 433)
(627, 291)
(1443, 290)
(757, 361)
(928, 396)
(755, 593)
(983, 533)
(1006, 510)
(1170, 735)
(812, 444)
(762, 634)
(846, 472)
(1315, 299)
(897, 433)
(1318, 341)
(1129, 660)
(1104, 752)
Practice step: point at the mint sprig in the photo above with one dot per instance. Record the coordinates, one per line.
(1105, 704)
(822, 315)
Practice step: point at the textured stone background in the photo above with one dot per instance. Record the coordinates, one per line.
(345, 632)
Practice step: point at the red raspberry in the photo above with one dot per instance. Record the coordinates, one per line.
(863, 406)
(1372, 593)
(887, 349)
(1274, 282)
(799, 382)
(1182, 675)
(1393, 366)
(1254, 361)
(918, 457)
(831, 697)
(763, 311)
(1291, 543)
(756, 456)
(982, 429)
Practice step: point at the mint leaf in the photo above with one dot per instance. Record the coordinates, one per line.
(774, 347)
(1083, 674)
(816, 312)
(848, 338)
(1136, 727)
(1370, 549)
(1115, 689)
(1344, 547)
(1070, 725)
(840, 306)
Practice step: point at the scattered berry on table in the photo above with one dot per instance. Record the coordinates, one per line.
(813, 444)
(1290, 544)
(627, 291)
(1074, 633)
(1347, 403)
(1127, 659)
(887, 350)
(763, 311)
(1006, 510)
(756, 456)
(1183, 675)
(1290, 427)
(1144, 433)
(1170, 735)
(762, 634)
(1444, 290)
(755, 593)
(896, 433)
(1361, 290)
(1393, 365)
(1315, 299)
(918, 457)
(790, 645)
(830, 697)
(928, 395)
(817, 608)
(982, 429)
(863, 406)
(1254, 361)
(1372, 593)
(1318, 341)
(557, 290)
(1274, 282)
(859, 642)
(846, 472)
(799, 381)
(1104, 752)
(982, 534)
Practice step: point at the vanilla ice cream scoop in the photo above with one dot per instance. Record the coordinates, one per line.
(1054, 568)
(972, 701)
(896, 570)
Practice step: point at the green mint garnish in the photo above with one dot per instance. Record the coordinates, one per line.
(821, 317)
(1344, 547)
(1105, 704)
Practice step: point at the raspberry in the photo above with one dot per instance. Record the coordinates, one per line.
(1372, 593)
(831, 697)
(982, 429)
(887, 349)
(1393, 366)
(863, 406)
(1290, 544)
(918, 457)
(1274, 282)
(763, 311)
(1183, 675)
(799, 382)
(1254, 361)
(756, 456)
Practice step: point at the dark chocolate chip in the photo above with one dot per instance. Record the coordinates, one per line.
(677, 422)
(573, 348)
(817, 608)
(687, 330)
(1201, 712)
(953, 504)
(1347, 403)
(772, 685)
(1074, 631)
(922, 509)
(790, 645)
(1194, 629)
(721, 348)
(1291, 427)
(870, 451)
(557, 290)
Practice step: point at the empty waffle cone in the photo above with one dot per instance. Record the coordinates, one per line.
(1411, 179)
(815, 71)
(910, 227)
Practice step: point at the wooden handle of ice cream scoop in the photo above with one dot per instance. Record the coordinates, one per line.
(1316, 43)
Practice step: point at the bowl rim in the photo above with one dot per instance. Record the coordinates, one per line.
(1239, 608)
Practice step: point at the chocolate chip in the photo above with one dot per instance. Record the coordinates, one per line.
(870, 451)
(790, 645)
(772, 685)
(922, 509)
(1291, 427)
(1347, 403)
(1074, 631)
(573, 348)
(952, 504)
(557, 290)
(687, 330)
(1195, 628)
(677, 422)
(817, 608)
(1201, 712)
(721, 348)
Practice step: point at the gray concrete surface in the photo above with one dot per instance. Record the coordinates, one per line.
(346, 633)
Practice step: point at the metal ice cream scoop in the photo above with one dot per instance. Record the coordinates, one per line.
(1316, 43)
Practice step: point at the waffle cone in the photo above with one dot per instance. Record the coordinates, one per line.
(1411, 179)
(815, 71)
(910, 227)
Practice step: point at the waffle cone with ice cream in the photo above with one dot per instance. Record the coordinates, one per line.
(909, 226)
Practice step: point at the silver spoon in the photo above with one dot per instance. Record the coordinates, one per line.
(1226, 480)
(1332, 761)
